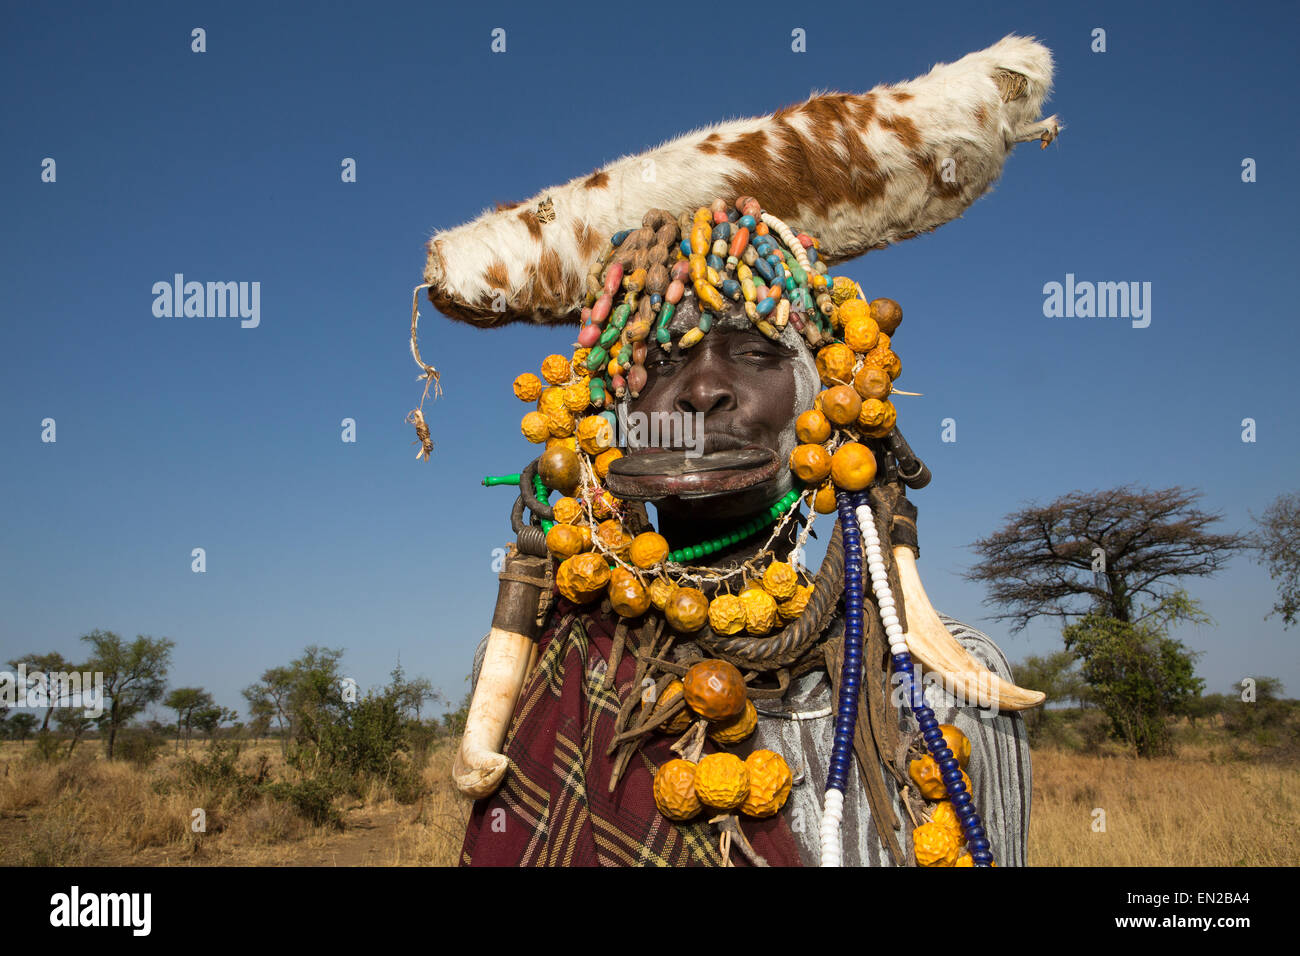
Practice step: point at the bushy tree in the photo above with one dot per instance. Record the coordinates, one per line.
(304, 697)
(1057, 676)
(134, 676)
(1139, 677)
(45, 664)
(186, 701)
(21, 725)
(1278, 542)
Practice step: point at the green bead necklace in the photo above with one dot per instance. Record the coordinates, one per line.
(681, 555)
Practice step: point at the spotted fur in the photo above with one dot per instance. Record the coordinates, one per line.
(859, 171)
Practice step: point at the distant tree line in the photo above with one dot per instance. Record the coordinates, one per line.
(309, 704)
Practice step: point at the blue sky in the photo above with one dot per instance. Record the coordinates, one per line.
(179, 433)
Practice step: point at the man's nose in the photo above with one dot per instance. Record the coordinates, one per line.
(709, 384)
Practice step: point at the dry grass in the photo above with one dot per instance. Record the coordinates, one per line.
(1202, 809)
(437, 830)
(91, 812)
(1189, 811)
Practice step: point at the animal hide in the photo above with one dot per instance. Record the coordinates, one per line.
(858, 171)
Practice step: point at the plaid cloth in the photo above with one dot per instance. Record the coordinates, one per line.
(554, 807)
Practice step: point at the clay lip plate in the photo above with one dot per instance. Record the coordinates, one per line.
(654, 473)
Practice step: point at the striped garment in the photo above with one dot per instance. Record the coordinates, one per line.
(999, 765)
(553, 808)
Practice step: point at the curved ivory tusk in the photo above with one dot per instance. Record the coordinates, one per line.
(479, 764)
(932, 644)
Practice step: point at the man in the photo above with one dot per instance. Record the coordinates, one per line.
(573, 782)
(747, 389)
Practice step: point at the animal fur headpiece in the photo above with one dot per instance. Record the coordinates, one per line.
(859, 171)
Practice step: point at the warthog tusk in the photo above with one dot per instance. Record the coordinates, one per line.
(931, 644)
(479, 764)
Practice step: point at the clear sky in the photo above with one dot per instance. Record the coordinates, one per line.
(175, 433)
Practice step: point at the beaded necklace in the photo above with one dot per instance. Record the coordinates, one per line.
(741, 253)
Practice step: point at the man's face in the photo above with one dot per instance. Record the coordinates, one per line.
(743, 386)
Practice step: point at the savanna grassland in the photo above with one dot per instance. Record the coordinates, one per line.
(1226, 799)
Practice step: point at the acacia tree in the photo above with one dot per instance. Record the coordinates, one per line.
(304, 696)
(134, 675)
(1109, 564)
(1101, 552)
(210, 718)
(1278, 542)
(186, 701)
(74, 724)
(46, 665)
(269, 698)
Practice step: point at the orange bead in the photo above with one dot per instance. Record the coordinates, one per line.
(564, 541)
(527, 387)
(687, 609)
(648, 549)
(810, 464)
(627, 595)
(535, 427)
(884, 358)
(567, 510)
(595, 434)
(824, 502)
(861, 333)
(770, 781)
(957, 742)
(674, 790)
(715, 689)
(872, 382)
(583, 577)
(610, 533)
(877, 418)
(888, 315)
(841, 404)
(853, 467)
(602, 462)
(555, 369)
(835, 364)
(812, 427)
(577, 397)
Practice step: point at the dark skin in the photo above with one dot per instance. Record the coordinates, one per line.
(743, 384)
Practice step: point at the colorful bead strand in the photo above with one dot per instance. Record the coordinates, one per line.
(963, 802)
(850, 686)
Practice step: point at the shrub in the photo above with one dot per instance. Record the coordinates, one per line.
(139, 747)
(312, 798)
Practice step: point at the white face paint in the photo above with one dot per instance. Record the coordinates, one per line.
(807, 382)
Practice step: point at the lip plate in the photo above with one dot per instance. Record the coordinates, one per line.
(717, 473)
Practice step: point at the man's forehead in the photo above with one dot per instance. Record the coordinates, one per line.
(733, 319)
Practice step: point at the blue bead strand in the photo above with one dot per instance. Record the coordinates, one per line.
(962, 800)
(850, 675)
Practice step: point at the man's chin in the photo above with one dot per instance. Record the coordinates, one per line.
(657, 475)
